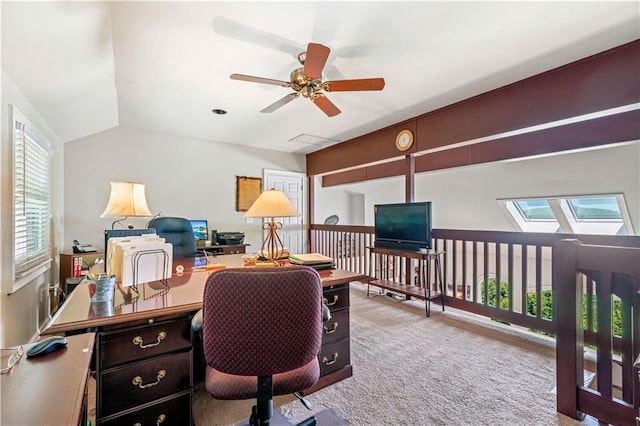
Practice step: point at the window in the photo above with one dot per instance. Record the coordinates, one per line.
(584, 214)
(31, 201)
(535, 209)
(596, 208)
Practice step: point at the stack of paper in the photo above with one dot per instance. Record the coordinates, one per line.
(315, 260)
(139, 259)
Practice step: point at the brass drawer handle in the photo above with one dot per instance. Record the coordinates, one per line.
(326, 302)
(139, 341)
(333, 329)
(137, 381)
(326, 361)
(159, 420)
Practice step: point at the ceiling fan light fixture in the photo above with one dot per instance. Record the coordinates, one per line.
(309, 81)
(297, 77)
(307, 92)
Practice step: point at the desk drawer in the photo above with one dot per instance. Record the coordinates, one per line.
(334, 356)
(126, 387)
(174, 411)
(132, 344)
(336, 328)
(336, 298)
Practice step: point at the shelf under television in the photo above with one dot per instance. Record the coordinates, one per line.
(409, 290)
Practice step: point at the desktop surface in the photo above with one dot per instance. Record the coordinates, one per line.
(32, 393)
(184, 294)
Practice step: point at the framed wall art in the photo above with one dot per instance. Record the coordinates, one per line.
(247, 190)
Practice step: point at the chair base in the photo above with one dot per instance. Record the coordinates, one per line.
(262, 412)
(310, 421)
(257, 420)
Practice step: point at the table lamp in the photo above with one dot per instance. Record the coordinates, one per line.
(271, 204)
(127, 199)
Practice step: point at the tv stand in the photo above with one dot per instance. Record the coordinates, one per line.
(386, 279)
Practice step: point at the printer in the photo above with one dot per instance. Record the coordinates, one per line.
(230, 238)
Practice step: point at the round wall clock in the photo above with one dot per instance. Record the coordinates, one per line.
(404, 140)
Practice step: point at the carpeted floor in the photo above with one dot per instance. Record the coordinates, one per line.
(408, 369)
(413, 370)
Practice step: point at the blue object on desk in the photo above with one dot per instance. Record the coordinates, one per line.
(47, 345)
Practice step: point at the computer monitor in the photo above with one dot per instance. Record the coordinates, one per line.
(200, 229)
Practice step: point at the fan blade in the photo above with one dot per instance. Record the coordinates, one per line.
(253, 79)
(326, 105)
(354, 85)
(280, 102)
(315, 60)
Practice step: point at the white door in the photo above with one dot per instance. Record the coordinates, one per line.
(292, 184)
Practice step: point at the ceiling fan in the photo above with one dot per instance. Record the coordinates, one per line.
(308, 81)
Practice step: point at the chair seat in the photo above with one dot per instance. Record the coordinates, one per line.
(229, 386)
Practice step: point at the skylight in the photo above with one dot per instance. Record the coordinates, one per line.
(535, 209)
(595, 208)
(572, 214)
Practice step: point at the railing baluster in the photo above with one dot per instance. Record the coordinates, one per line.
(454, 269)
(538, 282)
(465, 294)
(485, 272)
(510, 275)
(474, 274)
(498, 277)
(603, 336)
(523, 279)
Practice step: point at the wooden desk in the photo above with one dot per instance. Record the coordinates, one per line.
(51, 389)
(151, 332)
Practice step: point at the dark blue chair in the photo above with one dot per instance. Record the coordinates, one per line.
(177, 231)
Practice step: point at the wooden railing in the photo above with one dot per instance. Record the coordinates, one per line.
(611, 275)
(506, 276)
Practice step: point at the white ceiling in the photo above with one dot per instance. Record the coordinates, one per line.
(162, 66)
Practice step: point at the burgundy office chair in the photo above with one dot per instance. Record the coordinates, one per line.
(262, 330)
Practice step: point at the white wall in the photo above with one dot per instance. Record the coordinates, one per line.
(184, 177)
(465, 198)
(20, 311)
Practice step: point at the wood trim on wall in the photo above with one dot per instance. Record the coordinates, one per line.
(596, 83)
(378, 171)
(601, 131)
(366, 149)
(597, 132)
(602, 81)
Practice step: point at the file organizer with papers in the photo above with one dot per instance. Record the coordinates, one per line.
(139, 259)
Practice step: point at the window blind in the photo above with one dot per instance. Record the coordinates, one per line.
(32, 197)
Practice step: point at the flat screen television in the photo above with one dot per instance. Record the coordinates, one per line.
(403, 226)
(200, 228)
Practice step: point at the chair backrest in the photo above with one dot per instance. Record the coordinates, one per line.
(259, 322)
(177, 231)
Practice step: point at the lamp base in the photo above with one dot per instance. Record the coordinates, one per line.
(272, 247)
